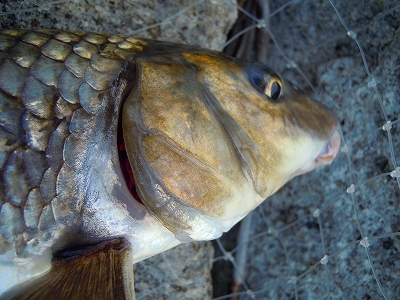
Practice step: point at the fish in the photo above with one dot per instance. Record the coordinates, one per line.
(116, 148)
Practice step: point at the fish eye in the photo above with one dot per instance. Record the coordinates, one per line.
(273, 90)
(267, 82)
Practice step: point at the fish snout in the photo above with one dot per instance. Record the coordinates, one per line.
(325, 156)
(330, 150)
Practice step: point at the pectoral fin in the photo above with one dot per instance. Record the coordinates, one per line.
(101, 271)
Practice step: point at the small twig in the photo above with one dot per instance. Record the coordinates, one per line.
(263, 36)
(241, 255)
(252, 43)
(242, 47)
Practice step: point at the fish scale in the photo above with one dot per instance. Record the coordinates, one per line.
(201, 139)
(51, 84)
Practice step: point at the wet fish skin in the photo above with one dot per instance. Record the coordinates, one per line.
(51, 82)
(105, 271)
(54, 91)
(233, 146)
(61, 97)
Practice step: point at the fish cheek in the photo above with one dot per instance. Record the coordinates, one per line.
(275, 137)
(254, 125)
(179, 141)
(186, 178)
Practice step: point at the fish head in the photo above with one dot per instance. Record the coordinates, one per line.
(288, 133)
(210, 137)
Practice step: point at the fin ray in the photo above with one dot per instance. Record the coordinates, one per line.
(101, 271)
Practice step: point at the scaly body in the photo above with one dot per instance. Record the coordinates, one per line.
(56, 121)
(207, 137)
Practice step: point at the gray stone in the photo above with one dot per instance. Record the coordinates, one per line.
(180, 273)
(202, 23)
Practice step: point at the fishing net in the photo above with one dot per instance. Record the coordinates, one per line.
(329, 234)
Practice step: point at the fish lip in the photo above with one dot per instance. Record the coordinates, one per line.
(325, 156)
(330, 150)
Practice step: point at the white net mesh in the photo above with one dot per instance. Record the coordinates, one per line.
(330, 234)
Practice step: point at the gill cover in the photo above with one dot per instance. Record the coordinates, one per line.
(206, 138)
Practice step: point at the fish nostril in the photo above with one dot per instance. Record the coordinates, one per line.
(330, 150)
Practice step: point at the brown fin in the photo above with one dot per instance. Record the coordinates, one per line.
(101, 271)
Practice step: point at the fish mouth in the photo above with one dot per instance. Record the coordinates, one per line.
(325, 156)
(330, 150)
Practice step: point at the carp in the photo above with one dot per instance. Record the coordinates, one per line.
(115, 148)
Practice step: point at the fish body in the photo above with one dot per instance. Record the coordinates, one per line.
(105, 136)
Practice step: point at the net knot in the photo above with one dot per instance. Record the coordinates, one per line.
(395, 173)
(387, 126)
(351, 189)
(352, 34)
(364, 242)
(324, 260)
